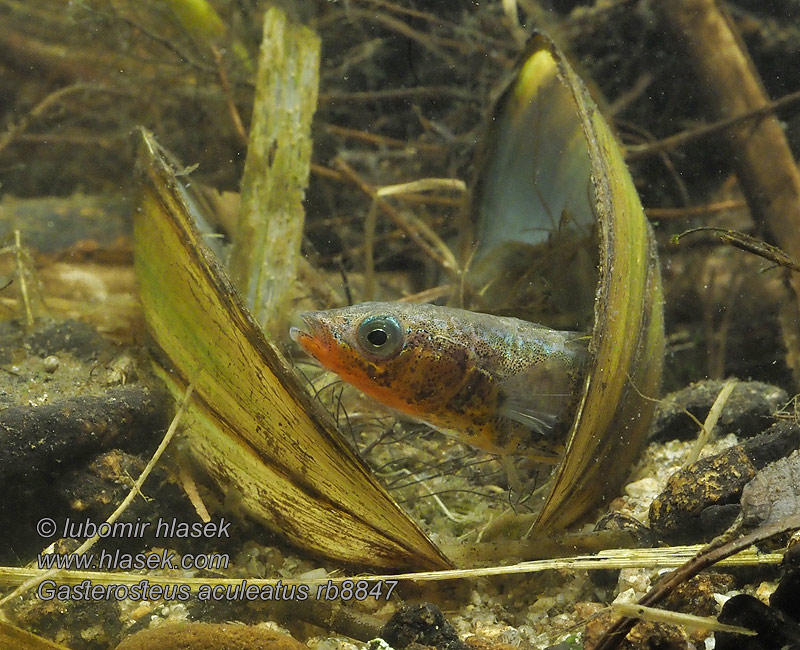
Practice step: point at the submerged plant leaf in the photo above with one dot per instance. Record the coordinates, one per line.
(198, 18)
(266, 244)
(774, 493)
(561, 239)
(251, 425)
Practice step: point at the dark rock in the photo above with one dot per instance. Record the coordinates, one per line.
(696, 595)
(780, 440)
(42, 439)
(423, 624)
(774, 494)
(715, 480)
(786, 597)
(717, 518)
(677, 514)
(775, 629)
(78, 338)
(640, 537)
(747, 412)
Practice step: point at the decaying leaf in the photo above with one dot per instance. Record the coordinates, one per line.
(251, 425)
(561, 238)
(774, 493)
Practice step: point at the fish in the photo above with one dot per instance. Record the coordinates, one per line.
(497, 383)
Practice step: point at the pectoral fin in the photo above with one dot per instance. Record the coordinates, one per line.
(538, 397)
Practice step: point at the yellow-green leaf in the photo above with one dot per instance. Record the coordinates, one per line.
(561, 238)
(250, 424)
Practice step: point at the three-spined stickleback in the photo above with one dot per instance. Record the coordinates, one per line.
(500, 384)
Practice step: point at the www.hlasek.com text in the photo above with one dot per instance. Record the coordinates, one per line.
(119, 561)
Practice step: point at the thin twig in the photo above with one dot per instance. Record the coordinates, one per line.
(428, 295)
(40, 108)
(23, 283)
(165, 43)
(394, 93)
(714, 414)
(691, 621)
(629, 96)
(370, 223)
(222, 73)
(679, 139)
(745, 242)
(326, 172)
(709, 556)
(434, 44)
(415, 228)
(431, 199)
(383, 140)
(423, 185)
(480, 40)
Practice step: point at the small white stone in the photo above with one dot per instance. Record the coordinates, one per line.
(51, 363)
(314, 574)
(627, 596)
(721, 599)
(643, 488)
(636, 579)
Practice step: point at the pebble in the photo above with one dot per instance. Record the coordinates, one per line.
(51, 363)
(646, 487)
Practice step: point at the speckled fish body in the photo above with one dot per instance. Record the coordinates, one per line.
(497, 383)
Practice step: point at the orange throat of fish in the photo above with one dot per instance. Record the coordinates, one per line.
(351, 368)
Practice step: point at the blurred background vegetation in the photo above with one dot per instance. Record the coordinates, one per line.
(405, 85)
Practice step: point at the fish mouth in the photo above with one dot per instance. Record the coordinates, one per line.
(312, 341)
(297, 335)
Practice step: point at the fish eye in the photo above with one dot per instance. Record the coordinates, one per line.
(380, 335)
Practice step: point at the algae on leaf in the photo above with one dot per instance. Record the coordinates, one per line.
(266, 243)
